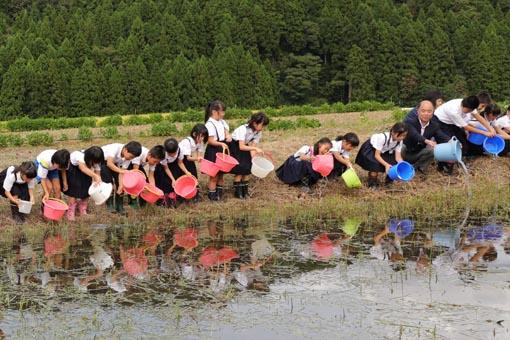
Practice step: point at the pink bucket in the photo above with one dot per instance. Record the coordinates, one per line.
(186, 186)
(225, 162)
(209, 168)
(323, 164)
(133, 182)
(54, 209)
(151, 193)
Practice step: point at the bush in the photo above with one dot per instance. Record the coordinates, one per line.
(110, 132)
(84, 133)
(186, 128)
(136, 120)
(39, 138)
(281, 124)
(28, 124)
(4, 141)
(398, 115)
(163, 129)
(155, 118)
(115, 120)
(307, 123)
(16, 140)
(64, 137)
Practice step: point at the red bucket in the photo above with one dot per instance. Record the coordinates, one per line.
(186, 186)
(225, 162)
(54, 209)
(133, 182)
(323, 164)
(151, 193)
(209, 168)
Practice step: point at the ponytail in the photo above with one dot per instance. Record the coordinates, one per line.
(26, 168)
(350, 138)
(215, 105)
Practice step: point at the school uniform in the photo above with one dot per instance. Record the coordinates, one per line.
(295, 170)
(338, 168)
(113, 151)
(453, 120)
(188, 147)
(215, 129)
(78, 183)
(248, 136)
(382, 142)
(14, 184)
(161, 179)
(45, 168)
(503, 123)
(141, 161)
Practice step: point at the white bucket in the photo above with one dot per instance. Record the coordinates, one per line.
(261, 167)
(25, 207)
(100, 193)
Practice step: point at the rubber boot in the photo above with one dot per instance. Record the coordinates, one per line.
(18, 217)
(71, 212)
(219, 192)
(133, 202)
(197, 198)
(171, 200)
(373, 182)
(212, 195)
(119, 204)
(244, 186)
(238, 190)
(82, 206)
(109, 204)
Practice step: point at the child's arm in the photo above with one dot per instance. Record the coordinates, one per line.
(12, 198)
(228, 136)
(211, 141)
(485, 123)
(152, 180)
(95, 177)
(183, 167)
(111, 165)
(305, 157)
(398, 156)
(245, 147)
(64, 181)
(342, 159)
(31, 195)
(196, 158)
(502, 133)
(44, 184)
(386, 165)
(169, 174)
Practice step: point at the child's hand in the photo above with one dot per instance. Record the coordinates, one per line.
(199, 158)
(188, 174)
(224, 146)
(489, 134)
(96, 179)
(259, 150)
(65, 188)
(387, 167)
(46, 197)
(173, 183)
(228, 138)
(17, 201)
(120, 190)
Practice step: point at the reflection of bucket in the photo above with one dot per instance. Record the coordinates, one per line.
(490, 232)
(351, 226)
(351, 179)
(261, 167)
(448, 152)
(401, 228)
(477, 138)
(403, 171)
(323, 164)
(25, 207)
(494, 145)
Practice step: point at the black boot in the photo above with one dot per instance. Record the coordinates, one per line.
(119, 204)
(244, 186)
(238, 190)
(197, 198)
(109, 204)
(212, 195)
(18, 217)
(373, 182)
(219, 192)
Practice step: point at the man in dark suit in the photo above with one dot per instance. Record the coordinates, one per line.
(424, 133)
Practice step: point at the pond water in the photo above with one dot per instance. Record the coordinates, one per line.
(328, 279)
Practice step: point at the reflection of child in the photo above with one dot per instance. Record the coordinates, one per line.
(388, 249)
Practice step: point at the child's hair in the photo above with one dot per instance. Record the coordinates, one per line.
(199, 130)
(215, 105)
(471, 102)
(484, 98)
(61, 158)
(257, 118)
(171, 145)
(134, 148)
(433, 96)
(492, 109)
(93, 155)
(350, 138)
(323, 140)
(508, 108)
(157, 152)
(26, 168)
(399, 129)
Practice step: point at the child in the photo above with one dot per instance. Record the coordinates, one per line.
(118, 158)
(216, 142)
(297, 169)
(342, 146)
(243, 147)
(192, 147)
(18, 184)
(151, 158)
(49, 163)
(502, 126)
(85, 168)
(169, 169)
(382, 151)
(490, 113)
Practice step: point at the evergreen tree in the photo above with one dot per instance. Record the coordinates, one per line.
(360, 79)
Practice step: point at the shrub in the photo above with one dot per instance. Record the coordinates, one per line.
(115, 120)
(281, 124)
(136, 120)
(28, 124)
(186, 128)
(4, 141)
(163, 129)
(85, 133)
(39, 138)
(110, 132)
(307, 123)
(155, 118)
(16, 140)
(398, 115)
(64, 137)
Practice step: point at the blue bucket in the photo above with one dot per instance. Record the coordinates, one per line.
(477, 138)
(401, 228)
(402, 171)
(448, 152)
(494, 145)
(490, 232)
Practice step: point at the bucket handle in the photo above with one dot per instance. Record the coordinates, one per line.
(56, 200)
(227, 151)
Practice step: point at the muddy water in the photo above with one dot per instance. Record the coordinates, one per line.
(330, 280)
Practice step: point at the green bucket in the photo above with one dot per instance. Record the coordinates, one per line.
(351, 226)
(351, 179)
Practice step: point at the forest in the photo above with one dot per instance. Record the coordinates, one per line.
(78, 58)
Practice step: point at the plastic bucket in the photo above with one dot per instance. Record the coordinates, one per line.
(261, 167)
(133, 182)
(186, 186)
(477, 138)
(209, 168)
(401, 228)
(225, 162)
(491, 232)
(403, 171)
(448, 152)
(100, 193)
(151, 193)
(494, 145)
(25, 207)
(351, 226)
(323, 164)
(54, 209)
(351, 179)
